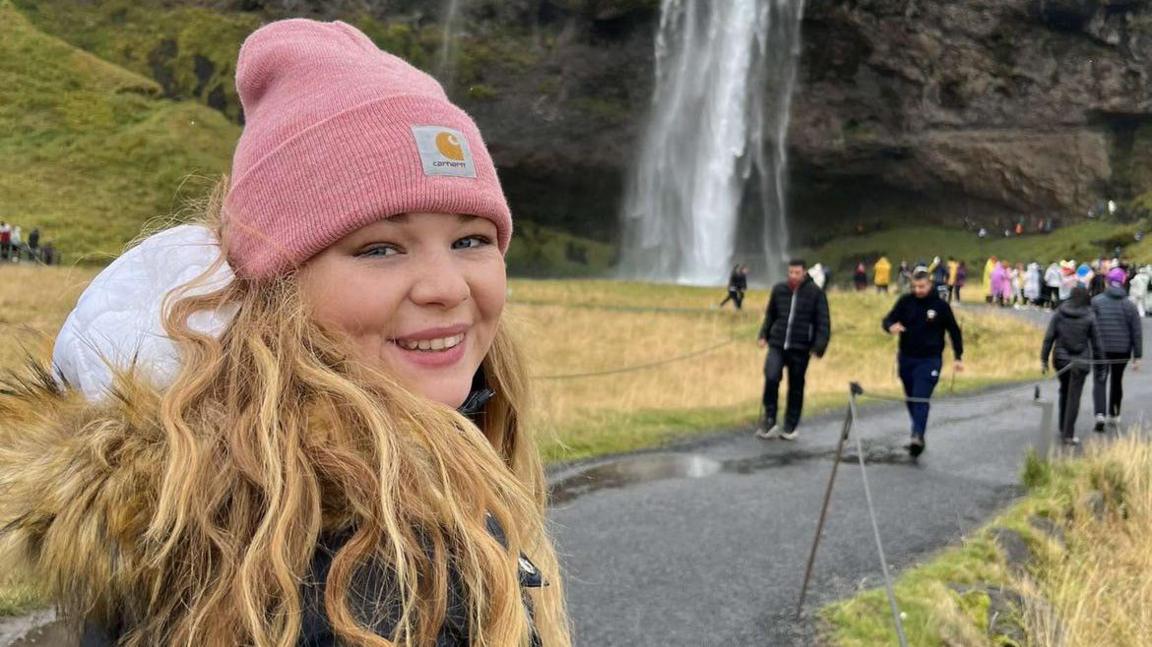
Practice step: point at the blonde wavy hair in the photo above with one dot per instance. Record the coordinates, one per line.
(277, 437)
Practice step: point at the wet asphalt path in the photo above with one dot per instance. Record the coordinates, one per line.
(705, 543)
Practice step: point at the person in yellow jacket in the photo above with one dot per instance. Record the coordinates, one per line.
(953, 269)
(882, 274)
(988, 267)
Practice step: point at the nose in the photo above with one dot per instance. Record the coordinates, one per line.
(439, 282)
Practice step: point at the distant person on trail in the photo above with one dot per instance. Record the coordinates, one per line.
(882, 274)
(1138, 290)
(1122, 339)
(34, 244)
(1032, 282)
(997, 284)
(1072, 342)
(904, 278)
(961, 279)
(940, 277)
(819, 276)
(860, 277)
(1007, 284)
(5, 240)
(737, 286)
(1068, 279)
(1052, 279)
(17, 244)
(953, 268)
(989, 287)
(796, 326)
(921, 319)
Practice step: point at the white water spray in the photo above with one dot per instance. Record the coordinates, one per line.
(716, 136)
(445, 63)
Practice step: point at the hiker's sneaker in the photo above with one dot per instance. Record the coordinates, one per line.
(789, 434)
(1114, 421)
(1072, 441)
(916, 446)
(768, 430)
(1100, 422)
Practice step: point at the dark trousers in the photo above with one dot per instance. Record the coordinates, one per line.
(1113, 373)
(736, 297)
(919, 375)
(1071, 386)
(796, 362)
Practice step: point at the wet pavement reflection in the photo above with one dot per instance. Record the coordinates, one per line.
(646, 468)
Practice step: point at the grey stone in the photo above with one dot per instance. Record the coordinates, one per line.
(1017, 552)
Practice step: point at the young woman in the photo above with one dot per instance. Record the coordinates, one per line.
(1072, 342)
(299, 422)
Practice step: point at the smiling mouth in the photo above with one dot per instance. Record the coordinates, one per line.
(437, 345)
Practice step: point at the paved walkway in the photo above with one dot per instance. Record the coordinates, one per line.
(705, 544)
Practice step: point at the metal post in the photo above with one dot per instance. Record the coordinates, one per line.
(827, 500)
(876, 528)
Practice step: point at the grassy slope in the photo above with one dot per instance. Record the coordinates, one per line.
(88, 150)
(193, 49)
(1086, 591)
(91, 151)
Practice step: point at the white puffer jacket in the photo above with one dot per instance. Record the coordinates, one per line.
(117, 320)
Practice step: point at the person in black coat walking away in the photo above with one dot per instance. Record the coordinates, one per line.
(796, 326)
(737, 286)
(1122, 339)
(1072, 342)
(921, 318)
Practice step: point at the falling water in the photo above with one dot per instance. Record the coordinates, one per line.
(445, 61)
(714, 153)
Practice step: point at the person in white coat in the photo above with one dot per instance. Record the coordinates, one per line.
(1138, 289)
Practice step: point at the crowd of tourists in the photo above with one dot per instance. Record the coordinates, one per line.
(1095, 329)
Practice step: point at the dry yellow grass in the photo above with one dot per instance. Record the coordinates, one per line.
(573, 327)
(34, 300)
(1087, 521)
(1097, 588)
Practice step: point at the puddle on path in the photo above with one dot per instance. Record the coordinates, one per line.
(646, 468)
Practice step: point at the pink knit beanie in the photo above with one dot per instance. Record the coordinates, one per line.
(338, 135)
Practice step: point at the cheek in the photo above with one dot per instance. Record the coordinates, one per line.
(349, 303)
(490, 292)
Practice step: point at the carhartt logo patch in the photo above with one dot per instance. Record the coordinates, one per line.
(444, 151)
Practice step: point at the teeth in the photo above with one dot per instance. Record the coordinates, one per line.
(430, 345)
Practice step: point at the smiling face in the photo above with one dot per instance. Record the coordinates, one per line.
(419, 295)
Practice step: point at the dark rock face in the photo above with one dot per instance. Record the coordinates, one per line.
(977, 111)
(991, 110)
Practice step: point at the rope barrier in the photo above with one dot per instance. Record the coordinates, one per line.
(639, 367)
(999, 393)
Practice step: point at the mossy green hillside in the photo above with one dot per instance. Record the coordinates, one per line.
(90, 151)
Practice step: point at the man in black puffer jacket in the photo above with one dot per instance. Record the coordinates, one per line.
(1122, 339)
(796, 326)
(1073, 343)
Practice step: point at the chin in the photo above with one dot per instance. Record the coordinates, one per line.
(451, 392)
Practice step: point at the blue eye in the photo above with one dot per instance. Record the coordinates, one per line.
(379, 251)
(471, 242)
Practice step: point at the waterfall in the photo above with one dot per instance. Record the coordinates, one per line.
(714, 153)
(445, 63)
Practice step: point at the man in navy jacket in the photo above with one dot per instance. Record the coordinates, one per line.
(921, 318)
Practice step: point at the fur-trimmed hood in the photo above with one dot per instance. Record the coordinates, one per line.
(78, 487)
